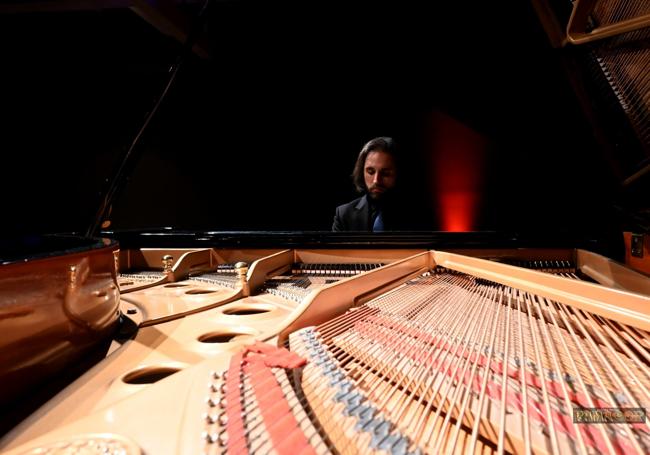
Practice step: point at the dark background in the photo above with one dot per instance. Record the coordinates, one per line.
(264, 135)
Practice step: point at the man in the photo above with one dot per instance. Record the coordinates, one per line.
(375, 175)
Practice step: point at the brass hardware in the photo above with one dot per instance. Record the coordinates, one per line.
(168, 262)
(116, 260)
(73, 275)
(241, 269)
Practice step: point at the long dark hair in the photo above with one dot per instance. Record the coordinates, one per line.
(383, 144)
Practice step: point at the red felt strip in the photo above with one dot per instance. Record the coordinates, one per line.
(278, 419)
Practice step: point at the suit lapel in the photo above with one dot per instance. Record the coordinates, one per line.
(362, 215)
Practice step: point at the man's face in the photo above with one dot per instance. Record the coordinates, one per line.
(379, 173)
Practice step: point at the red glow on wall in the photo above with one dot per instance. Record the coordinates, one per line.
(457, 211)
(457, 156)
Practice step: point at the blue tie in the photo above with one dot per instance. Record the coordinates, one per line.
(378, 225)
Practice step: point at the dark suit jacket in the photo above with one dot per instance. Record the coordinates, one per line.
(353, 216)
(400, 213)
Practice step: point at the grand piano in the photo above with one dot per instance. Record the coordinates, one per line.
(200, 304)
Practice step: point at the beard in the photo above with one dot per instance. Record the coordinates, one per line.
(378, 193)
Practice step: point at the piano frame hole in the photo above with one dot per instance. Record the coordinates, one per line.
(200, 291)
(149, 375)
(248, 310)
(225, 336)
